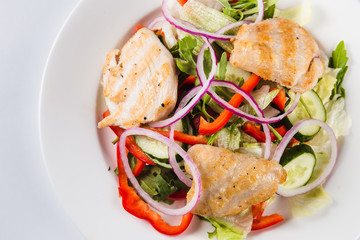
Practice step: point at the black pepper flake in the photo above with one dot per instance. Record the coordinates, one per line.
(220, 198)
(124, 95)
(254, 167)
(247, 173)
(121, 75)
(125, 89)
(163, 105)
(297, 37)
(144, 118)
(158, 84)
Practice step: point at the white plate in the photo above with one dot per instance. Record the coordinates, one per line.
(78, 155)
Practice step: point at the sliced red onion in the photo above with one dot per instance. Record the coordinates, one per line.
(286, 139)
(181, 112)
(251, 101)
(261, 9)
(144, 195)
(174, 164)
(189, 28)
(155, 21)
(248, 98)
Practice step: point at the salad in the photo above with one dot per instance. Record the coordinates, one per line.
(228, 105)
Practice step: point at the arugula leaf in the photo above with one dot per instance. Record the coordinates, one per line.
(245, 8)
(339, 60)
(186, 63)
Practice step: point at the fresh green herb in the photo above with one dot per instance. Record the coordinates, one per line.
(187, 59)
(339, 60)
(160, 182)
(245, 8)
(186, 63)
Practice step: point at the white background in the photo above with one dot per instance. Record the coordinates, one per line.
(29, 207)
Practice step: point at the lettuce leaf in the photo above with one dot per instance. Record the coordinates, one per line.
(300, 14)
(228, 138)
(325, 86)
(309, 203)
(234, 227)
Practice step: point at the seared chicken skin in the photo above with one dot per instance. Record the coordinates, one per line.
(279, 50)
(140, 83)
(232, 182)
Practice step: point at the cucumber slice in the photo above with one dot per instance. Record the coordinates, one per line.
(299, 163)
(156, 148)
(310, 106)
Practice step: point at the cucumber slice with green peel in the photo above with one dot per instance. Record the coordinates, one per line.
(156, 148)
(299, 163)
(310, 106)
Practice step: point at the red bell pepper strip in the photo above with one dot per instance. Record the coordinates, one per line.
(130, 144)
(182, 2)
(258, 209)
(133, 204)
(207, 128)
(183, 137)
(181, 194)
(139, 166)
(266, 221)
(255, 131)
(280, 99)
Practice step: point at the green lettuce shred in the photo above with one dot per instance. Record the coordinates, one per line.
(299, 14)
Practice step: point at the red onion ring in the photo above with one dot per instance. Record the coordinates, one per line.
(155, 21)
(189, 28)
(286, 139)
(144, 195)
(174, 164)
(261, 9)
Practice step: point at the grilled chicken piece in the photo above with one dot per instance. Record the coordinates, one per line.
(279, 50)
(232, 182)
(140, 83)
